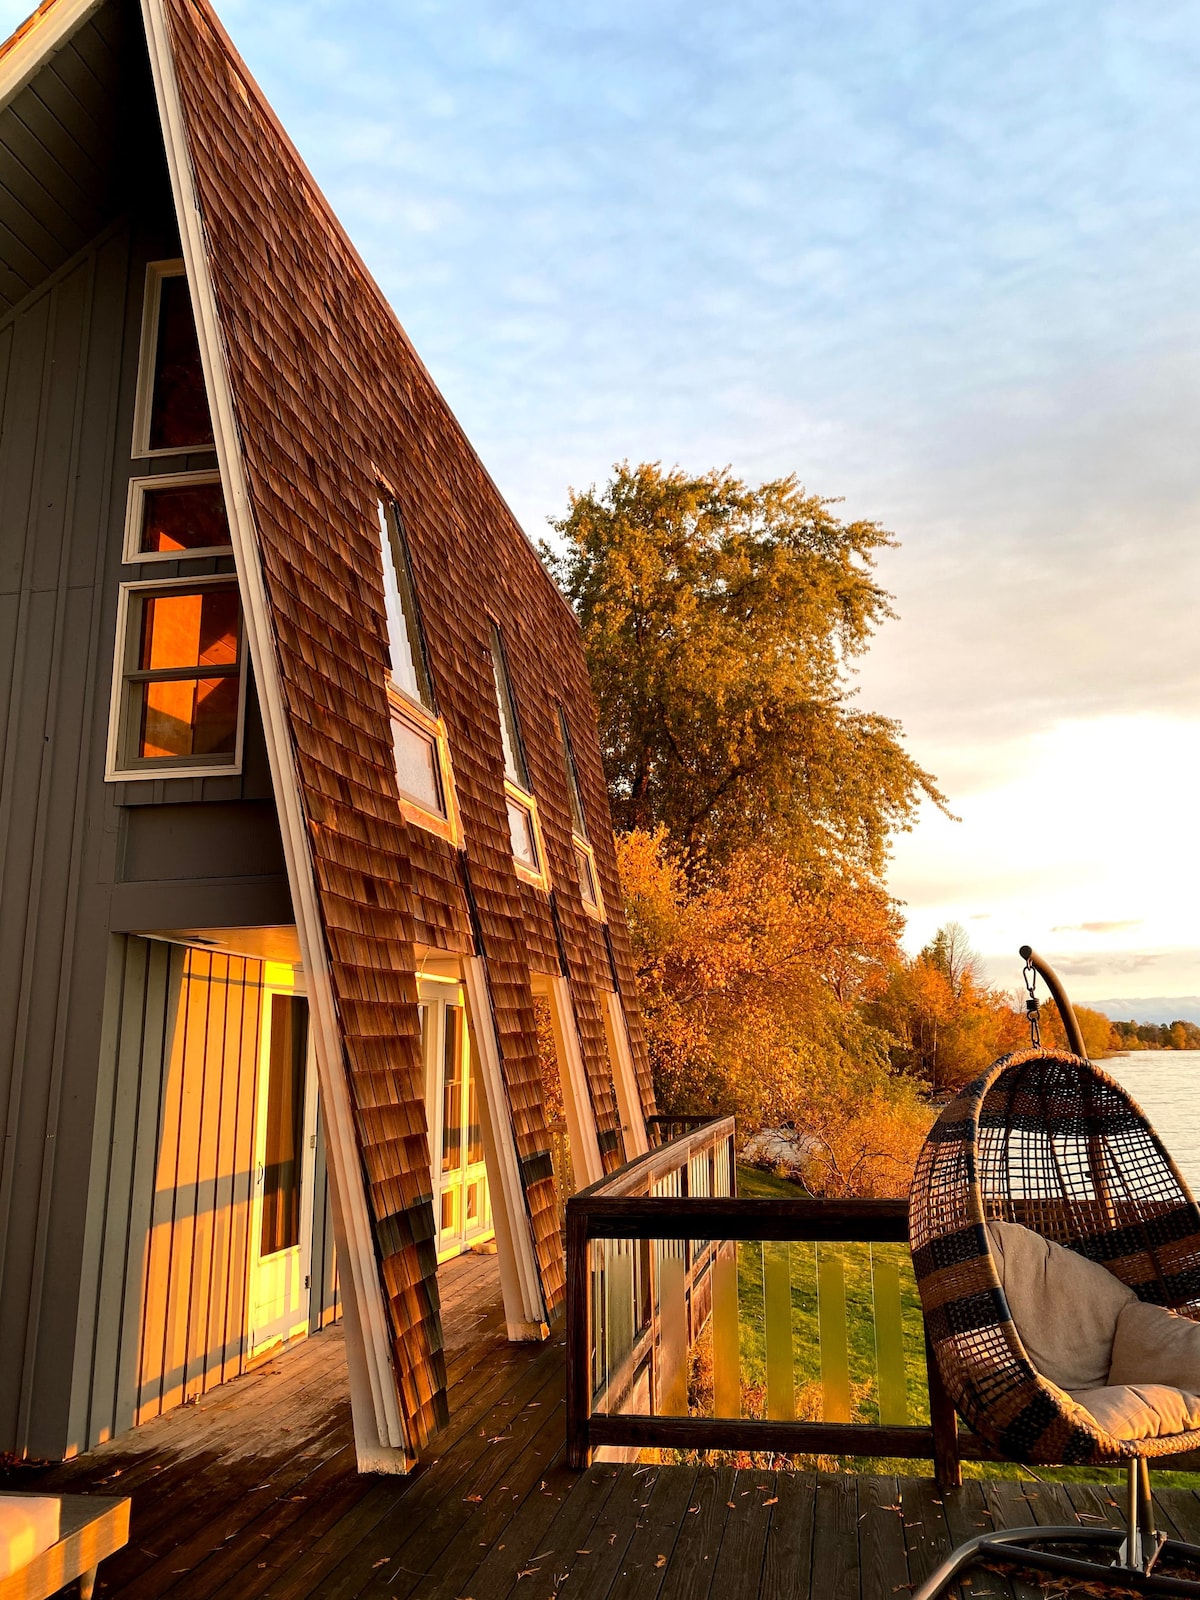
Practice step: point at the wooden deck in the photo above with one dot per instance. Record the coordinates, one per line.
(252, 1492)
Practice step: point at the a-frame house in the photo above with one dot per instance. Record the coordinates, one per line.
(312, 964)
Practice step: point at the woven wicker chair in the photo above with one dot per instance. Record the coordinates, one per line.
(1046, 1140)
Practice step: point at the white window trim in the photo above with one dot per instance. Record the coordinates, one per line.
(156, 271)
(114, 772)
(132, 554)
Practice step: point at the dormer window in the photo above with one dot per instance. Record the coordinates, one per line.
(525, 834)
(419, 746)
(585, 858)
(171, 416)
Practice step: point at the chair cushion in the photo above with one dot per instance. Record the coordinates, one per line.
(1154, 1345)
(1065, 1307)
(1140, 1410)
(28, 1525)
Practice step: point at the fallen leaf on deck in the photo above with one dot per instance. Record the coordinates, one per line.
(660, 1561)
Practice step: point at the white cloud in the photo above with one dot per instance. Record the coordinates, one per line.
(942, 260)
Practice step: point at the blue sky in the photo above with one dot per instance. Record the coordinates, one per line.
(942, 259)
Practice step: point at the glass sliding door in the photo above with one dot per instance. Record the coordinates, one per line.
(461, 1202)
(282, 1193)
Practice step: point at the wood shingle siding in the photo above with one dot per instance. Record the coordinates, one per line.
(299, 318)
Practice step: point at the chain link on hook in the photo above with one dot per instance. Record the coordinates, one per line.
(1033, 1005)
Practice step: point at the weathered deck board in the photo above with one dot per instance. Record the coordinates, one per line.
(252, 1493)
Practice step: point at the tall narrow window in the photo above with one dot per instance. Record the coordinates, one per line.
(585, 857)
(171, 415)
(178, 691)
(523, 829)
(406, 645)
(419, 744)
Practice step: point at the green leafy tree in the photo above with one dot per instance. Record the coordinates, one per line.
(721, 622)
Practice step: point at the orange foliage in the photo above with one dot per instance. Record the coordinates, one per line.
(752, 985)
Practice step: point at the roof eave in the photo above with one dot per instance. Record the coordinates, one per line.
(38, 38)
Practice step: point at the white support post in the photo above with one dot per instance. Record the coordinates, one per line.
(520, 1280)
(629, 1101)
(577, 1099)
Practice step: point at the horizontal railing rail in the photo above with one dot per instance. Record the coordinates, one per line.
(689, 1306)
(664, 1127)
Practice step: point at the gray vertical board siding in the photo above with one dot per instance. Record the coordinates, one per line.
(43, 737)
(78, 1132)
(73, 1018)
(172, 1177)
(88, 1025)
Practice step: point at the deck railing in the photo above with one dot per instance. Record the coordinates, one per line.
(699, 1320)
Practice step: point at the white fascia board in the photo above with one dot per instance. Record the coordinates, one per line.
(44, 39)
(379, 1434)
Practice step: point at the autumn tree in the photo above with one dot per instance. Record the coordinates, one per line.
(1099, 1036)
(944, 1023)
(756, 799)
(752, 987)
(721, 622)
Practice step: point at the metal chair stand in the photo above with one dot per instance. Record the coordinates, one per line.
(1138, 1549)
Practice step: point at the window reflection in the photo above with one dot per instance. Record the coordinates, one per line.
(520, 829)
(188, 717)
(197, 629)
(418, 776)
(179, 417)
(183, 518)
(185, 680)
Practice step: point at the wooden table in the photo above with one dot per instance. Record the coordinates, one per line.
(91, 1526)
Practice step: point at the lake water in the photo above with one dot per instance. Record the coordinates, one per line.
(1166, 1084)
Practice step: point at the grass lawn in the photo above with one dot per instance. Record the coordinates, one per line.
(857, 1262)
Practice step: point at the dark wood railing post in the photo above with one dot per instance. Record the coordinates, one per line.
(579, 1323)
(947, 1461)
